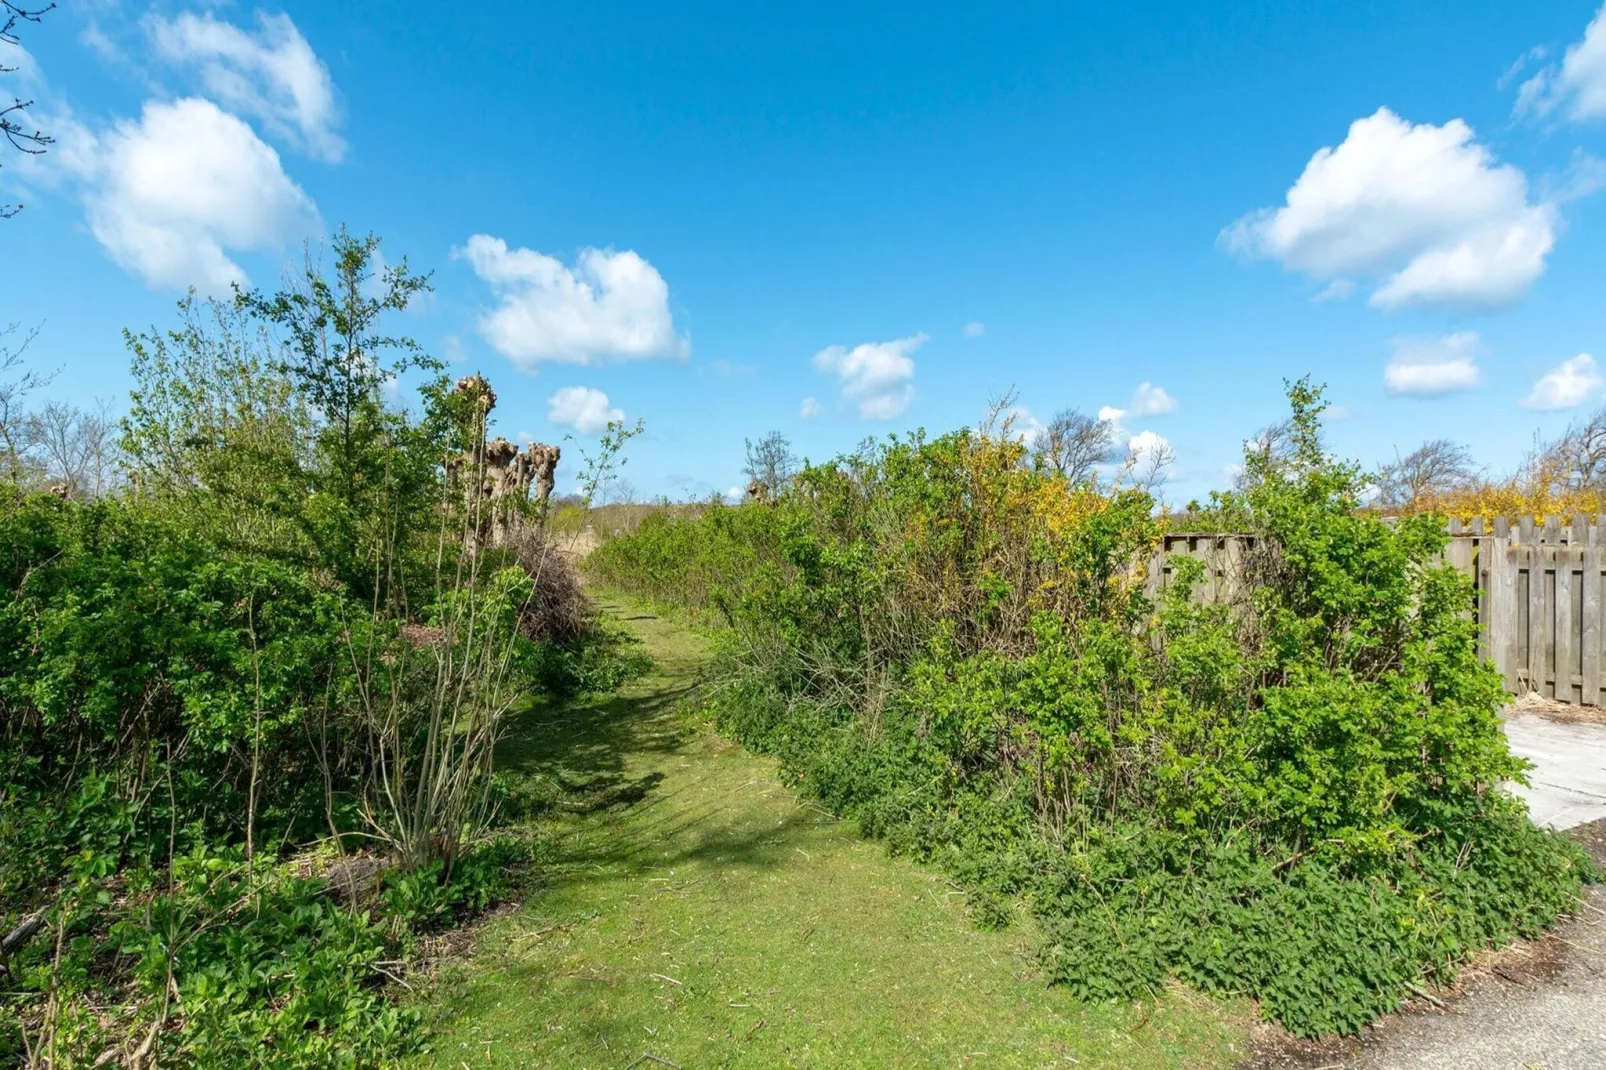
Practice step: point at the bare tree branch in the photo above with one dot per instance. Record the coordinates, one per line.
(77, 447)
(1433, 468)
(1151, 467)
(34, 141)
(1576, 460)
(16, 382)
(1074, 444)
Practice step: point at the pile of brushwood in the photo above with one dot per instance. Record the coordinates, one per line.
(249, 702)
(1294, 795)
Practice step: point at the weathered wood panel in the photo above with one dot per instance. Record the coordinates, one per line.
(1540, 589)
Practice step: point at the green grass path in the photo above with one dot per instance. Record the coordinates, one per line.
(692, 909)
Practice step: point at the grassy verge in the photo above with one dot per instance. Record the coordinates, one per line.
(692, 908)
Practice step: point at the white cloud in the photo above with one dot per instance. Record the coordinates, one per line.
(608, 306)
(975, 329)
(736, 494)
(1113, 416)
(103, 46)
(1427, 367)
(1536, 54)
(272, 74)
(170, 195)
(583, 408)
(1336, 290)
(810, 409)
(1146, 444)
(1576, 87)
(875, 376)
(1566, 386)
(1151, 400)
(1423, 210)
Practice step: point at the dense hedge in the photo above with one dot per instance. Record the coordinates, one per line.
(281, 644)
(1295, 797)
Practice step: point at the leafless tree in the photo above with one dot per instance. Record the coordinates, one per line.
(1435, 467)
(1272, 446)
(17, 381)
(1577, 460)
(1074, 444)
(770, 462)
(1149, 468)
(618, 491)
(20, 136)
(77, 448)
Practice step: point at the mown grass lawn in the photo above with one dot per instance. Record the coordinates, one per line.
(691, 911)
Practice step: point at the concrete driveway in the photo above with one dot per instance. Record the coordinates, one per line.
(1569, 776)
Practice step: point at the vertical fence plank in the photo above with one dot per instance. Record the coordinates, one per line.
(1590, 631)
(1538, 573)
(1503, 608)
(1563, 645)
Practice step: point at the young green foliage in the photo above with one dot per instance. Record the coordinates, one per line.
(1294, 794)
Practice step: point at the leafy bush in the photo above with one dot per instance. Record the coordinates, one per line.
(1293, 794)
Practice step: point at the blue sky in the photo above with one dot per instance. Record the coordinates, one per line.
(711, 213)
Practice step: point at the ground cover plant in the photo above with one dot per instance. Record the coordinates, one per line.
(249, 701)
(1293, 795)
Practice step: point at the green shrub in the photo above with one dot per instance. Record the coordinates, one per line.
(164, 697)
(1294, 795)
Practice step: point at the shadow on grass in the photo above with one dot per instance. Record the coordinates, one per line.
(601, 764)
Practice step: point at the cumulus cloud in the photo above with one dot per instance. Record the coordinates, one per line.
(609, 306)
(171, 194)
(1109, 414)
(1151, 400)
(1423, 211)
(810, 409)
(877, 377)
(1566, 386)
(1575, 88)
(272, 74)
(583, 408)
(1147, 444)
(1428, 367)
(975, 329)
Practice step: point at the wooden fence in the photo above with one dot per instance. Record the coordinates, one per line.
(1539, 598)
